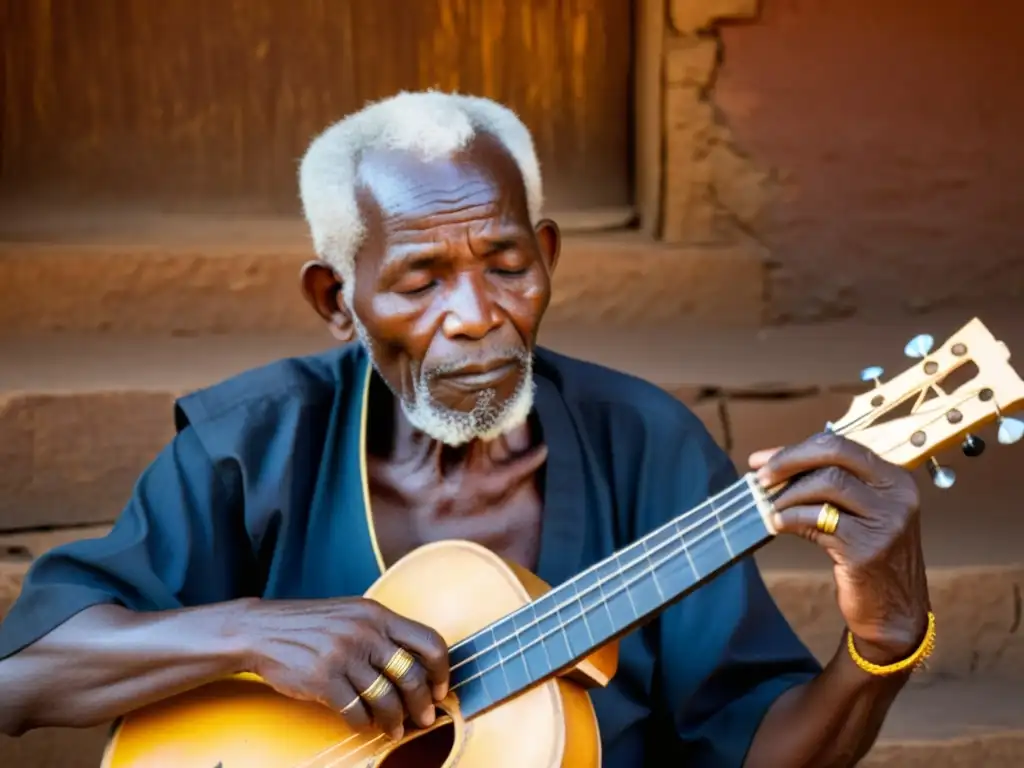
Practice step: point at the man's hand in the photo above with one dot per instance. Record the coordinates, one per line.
(332, 650)
(879, 566)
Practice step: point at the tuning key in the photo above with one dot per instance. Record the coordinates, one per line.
(972, 446)
(874, 373)
(919, 346)
(1010, 430)
(943, 477)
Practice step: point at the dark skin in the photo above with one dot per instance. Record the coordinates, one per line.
(451, 272)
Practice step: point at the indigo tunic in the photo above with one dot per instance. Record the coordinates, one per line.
(263, 492)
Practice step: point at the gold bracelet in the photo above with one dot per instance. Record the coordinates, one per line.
(914, 660)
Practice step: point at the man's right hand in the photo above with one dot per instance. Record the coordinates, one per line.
(331, 651)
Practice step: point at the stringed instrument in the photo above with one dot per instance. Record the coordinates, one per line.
(523, 655)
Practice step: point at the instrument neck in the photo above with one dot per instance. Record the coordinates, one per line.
(564, 626)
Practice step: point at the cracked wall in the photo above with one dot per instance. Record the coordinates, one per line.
(713, 193)
(893, 134)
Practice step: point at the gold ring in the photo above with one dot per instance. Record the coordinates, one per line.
(828, 519)
(378, 689)
(399, 664)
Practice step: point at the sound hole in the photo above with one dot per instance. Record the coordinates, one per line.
(427, 751)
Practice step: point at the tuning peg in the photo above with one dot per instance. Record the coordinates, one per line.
(943, 477)
(1010, 430)
(919, 346)
(874, 373)
(972, 446)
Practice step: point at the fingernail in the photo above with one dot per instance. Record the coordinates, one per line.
(398, 733)
(428, 718)
(763, 476)
(440, 691)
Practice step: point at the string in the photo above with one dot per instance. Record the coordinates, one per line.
(621, 569)
(840, 429)
(653, 566)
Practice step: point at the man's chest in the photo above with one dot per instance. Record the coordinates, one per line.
(410, 509)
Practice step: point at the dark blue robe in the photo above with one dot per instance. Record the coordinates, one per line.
(263, 492)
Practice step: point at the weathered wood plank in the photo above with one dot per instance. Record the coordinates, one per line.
(218, 99)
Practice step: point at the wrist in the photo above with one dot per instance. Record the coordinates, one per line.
(894, 643)
(228, 638)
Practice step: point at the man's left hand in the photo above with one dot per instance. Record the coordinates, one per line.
(876, 548)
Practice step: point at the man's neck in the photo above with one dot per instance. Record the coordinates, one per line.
(392, 436)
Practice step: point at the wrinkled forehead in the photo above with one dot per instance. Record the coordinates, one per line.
(398, 187)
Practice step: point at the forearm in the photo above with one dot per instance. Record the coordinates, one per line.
(829, 722)
(107, 661)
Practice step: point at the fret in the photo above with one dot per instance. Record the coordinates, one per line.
(721, 528)
(480, 672)
(628, 577)
(710, 537)
(558, 623)
(597, 598)
(503, 659)
(584, 619)
(745, 526)
(654, 575)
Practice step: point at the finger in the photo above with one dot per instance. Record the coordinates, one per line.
(758, 459)
(427, 645)
(380, 697)
(507, 476)
(346, 699)
(831, 484)
(412, 684)
(825, 449)
(803, 521)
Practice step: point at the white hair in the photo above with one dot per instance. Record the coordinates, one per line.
(429, 124)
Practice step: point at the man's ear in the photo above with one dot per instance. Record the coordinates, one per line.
(322, 289)
(549, 238)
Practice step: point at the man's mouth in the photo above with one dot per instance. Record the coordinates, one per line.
(481, 375)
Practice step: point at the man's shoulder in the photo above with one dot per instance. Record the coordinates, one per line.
(606, 392)
(297, 382)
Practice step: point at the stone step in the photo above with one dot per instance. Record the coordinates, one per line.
(978, 608)
(177, 273)
(941, 725)
(81, 415)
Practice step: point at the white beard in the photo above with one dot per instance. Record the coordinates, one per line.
(487, 420)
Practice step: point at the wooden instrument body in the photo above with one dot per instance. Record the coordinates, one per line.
(456, 587)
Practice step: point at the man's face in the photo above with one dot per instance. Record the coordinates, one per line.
(450, 287)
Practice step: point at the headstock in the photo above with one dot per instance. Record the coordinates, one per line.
(926, 408)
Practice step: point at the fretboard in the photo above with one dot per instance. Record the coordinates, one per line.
(571, 621)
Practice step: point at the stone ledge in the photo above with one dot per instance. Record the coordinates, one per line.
(991, 750)
(977, 610)
(75, 458)
(953, 724)
(80, 416)
(186, 275)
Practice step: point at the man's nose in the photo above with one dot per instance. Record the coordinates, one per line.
(471, 312)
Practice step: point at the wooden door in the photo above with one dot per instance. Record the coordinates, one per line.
(201, 101)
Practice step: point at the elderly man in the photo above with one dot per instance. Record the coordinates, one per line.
(248, 541)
